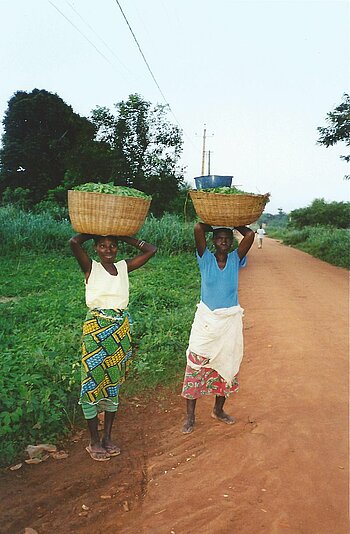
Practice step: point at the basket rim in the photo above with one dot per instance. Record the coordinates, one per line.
(228, 195)
(109, 195)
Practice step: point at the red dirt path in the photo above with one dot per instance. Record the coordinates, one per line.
(282, 468)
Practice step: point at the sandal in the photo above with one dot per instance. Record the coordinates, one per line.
(98, 456)
(112, 450)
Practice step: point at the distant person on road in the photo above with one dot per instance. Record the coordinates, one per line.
(260, 232)
(215, 348)
(106, 349)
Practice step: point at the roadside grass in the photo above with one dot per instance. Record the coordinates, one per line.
(324, 242)
(40, 232)
(42, 306)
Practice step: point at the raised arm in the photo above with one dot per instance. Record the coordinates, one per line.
(147, 251)
(247, 241)
(80, 253)
(199, 235)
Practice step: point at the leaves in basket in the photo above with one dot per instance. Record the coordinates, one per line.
(231, 191)
(111, 189)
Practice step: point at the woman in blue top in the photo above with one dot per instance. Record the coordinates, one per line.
(215, 347)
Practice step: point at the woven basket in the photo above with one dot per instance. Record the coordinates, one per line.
(218, 209)
(104, 214)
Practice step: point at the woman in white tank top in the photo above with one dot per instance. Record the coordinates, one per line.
(106, 348)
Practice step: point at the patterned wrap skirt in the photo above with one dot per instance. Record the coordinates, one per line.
(106, 356)
(205, 381)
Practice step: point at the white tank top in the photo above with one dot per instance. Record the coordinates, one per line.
(105, 291)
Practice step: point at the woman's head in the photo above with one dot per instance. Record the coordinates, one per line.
(223, 239)
(106, 247)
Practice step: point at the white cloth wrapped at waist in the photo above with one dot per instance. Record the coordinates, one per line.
(218, 336)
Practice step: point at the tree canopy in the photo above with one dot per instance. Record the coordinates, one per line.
(323, 213)
(338, 128)
(42, 138)
(145, 148)
(47, 149)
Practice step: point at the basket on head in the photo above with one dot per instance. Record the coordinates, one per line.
(105, 214)
(228, 209)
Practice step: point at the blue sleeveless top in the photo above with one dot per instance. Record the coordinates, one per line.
(219, 288)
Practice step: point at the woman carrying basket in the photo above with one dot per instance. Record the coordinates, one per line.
(106, 348)
(215, 348)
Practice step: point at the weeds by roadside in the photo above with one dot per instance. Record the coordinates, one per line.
(324, 242)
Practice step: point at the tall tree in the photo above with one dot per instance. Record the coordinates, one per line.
(42, 138)
(339, 127)
(146, 148)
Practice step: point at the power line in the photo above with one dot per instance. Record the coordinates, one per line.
(110, 63)
(97, 35)
(149, 68)
(81, 33)
(142, 54)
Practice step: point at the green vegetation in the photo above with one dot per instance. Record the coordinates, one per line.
(326, 243)
(338, 129)
(44, 309)
(111, 189)
(320, 212)
(320, 229)
(41, 233)
(48, 149)
(230, 191)
(225, 190)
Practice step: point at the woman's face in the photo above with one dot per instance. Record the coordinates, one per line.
(106, 248)
(222, 241)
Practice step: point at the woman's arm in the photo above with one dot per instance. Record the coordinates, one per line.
(247, 241)
(147, 251)
(199, 236)
(80, 254)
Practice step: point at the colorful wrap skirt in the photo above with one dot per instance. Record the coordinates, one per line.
(205, 381)
(106, 356)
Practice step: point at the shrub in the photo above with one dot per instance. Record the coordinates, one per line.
(335, 214)
(329, 244)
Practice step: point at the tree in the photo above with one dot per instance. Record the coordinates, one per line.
(145, 148)
(339, 127)
(323, 213)
(279, 219)
(43, 139)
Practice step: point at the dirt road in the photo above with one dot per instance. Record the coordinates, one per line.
(282, 468)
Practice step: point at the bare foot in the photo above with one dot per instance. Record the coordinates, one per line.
(223, 417)
(97, 453)
(188, 424)
(111, 448)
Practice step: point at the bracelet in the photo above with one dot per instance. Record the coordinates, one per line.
(140, 244)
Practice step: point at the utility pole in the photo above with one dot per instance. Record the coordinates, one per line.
(203, 151)
(208, 162)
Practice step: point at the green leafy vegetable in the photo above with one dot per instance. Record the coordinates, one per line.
(232, 191)
(111, 189)
(226, 190)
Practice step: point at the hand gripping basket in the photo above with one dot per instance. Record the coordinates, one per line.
(219, 209)
(105, 214)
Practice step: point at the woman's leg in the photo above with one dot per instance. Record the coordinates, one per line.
(95, 449)
(190, 417)
(218, 412)
(111, 448)
(93, 429)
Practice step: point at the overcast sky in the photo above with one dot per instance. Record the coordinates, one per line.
(262, 75)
